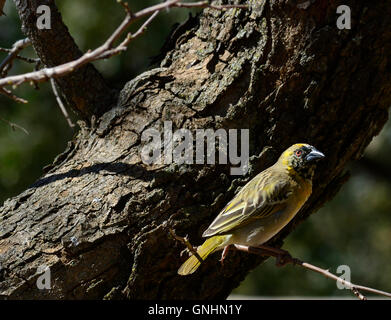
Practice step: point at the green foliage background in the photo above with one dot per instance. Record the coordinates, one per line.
(354, 229)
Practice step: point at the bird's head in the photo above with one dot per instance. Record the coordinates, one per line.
(301, 158)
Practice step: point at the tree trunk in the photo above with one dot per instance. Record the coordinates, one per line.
(98, 218)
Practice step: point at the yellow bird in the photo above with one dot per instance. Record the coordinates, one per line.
(263, 206)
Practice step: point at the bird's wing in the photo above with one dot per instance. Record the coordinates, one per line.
(258, 199)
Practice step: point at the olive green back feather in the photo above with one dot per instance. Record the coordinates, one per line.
(261, 197)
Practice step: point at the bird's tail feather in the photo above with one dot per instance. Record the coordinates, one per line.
(209, 246)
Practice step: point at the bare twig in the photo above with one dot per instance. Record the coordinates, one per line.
(26, 59)
(14, 126)
(288, 259)
(187, 243)
(10, 95)
(61, 105)
(18, 46)
(123, 45)
(359, 294)
(108, 49)
(125, 5)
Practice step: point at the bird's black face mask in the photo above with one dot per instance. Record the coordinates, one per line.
(304, 160)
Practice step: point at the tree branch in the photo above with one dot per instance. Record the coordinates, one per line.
(107, 49)
(25, 59)
(60, 104)
(10, 95)
(186, 242)
(14, 126)
(18, 46)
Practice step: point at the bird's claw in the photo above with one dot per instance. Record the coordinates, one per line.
(283, 259)
(224, 255)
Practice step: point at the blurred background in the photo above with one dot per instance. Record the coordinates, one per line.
(353, 229)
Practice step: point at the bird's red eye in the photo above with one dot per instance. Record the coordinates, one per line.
(298, 153)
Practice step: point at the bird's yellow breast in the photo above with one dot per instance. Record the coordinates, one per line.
(301, 191)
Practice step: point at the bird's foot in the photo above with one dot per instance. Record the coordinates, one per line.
(283, 257)
(224, 254)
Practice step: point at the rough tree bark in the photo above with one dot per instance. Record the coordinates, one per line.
(98, 217)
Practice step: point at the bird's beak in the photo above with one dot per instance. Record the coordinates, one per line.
(314, 155)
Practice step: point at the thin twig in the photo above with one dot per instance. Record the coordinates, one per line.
(16, 48)
(359, 294)
(61, 105)
(284, 257)
(10, 95)
(125, 5)
(26, 59)
(289, 259)
(14, 126)
(187, 243)
(123, 45)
